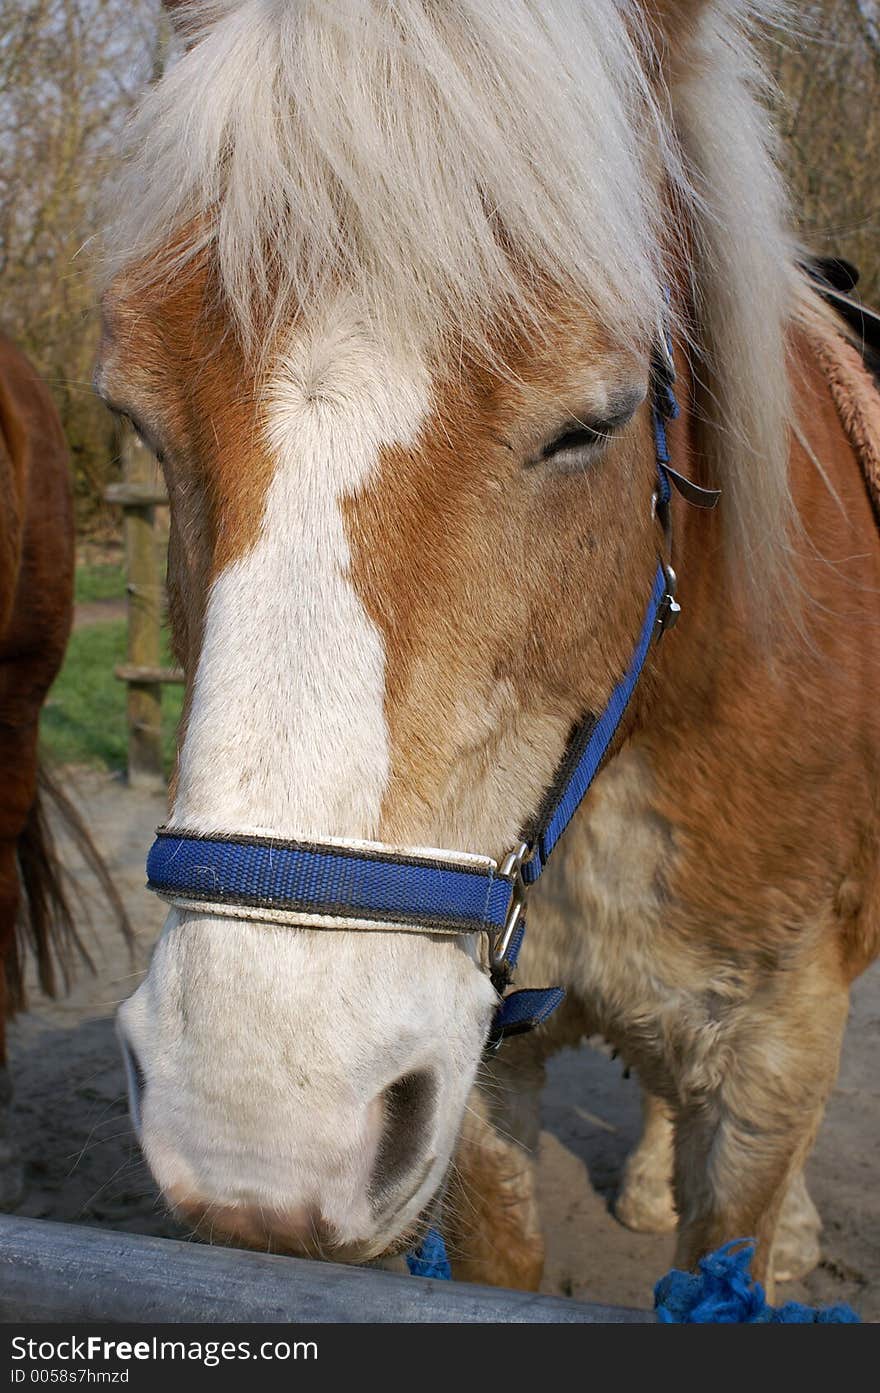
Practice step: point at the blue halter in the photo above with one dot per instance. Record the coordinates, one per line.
(337, 884)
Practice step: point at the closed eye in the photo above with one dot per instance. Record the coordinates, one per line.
(577, 438)
(588, 436)
(140, 431)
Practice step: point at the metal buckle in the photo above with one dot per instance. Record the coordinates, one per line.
(669, 609)
(511, 867)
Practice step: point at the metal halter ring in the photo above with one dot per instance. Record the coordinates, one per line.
(669, 611)
(511, 868)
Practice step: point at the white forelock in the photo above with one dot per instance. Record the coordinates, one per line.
(403, 149)
(432, 157)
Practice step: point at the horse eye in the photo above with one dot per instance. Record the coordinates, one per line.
(577, 438)
(140, 433)
(585, 437)
(143, 435)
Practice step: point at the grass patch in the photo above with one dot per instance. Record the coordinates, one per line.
(84, 717)
(103, 580)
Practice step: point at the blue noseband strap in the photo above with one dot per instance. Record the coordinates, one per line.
(363, 885)
(354, 885)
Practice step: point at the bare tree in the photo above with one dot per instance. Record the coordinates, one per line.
(70, 71)
(828, 112)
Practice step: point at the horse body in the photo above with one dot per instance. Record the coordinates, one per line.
(37, 557)
(409, 551)
(36, 609)
(720, 892)
(36, 612)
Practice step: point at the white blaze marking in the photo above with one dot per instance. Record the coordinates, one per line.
(268, 1052)
(287, 731)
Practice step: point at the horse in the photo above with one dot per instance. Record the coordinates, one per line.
(36, 609)
(37, 557)
(398, 293)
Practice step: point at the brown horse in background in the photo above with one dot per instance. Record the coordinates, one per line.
(36, 612)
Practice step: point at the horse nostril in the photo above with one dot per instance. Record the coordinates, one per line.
(137, 1082)
(408, 1106)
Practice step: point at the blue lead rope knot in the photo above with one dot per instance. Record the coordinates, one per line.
(429, 1259)
(723, 1292)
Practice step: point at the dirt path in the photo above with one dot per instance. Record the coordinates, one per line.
(83, 1165)
(99, 612)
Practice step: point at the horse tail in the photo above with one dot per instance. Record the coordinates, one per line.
(46, 924)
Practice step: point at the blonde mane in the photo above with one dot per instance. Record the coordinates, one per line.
(442, 157)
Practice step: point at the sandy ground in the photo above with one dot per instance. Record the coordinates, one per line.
(83, 1166)
(99, 612)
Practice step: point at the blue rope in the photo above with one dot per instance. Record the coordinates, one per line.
(723, 1293)
(429, 1259)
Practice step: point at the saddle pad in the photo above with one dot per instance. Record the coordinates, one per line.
(854, 393)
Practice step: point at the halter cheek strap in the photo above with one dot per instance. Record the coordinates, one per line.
(355, 885)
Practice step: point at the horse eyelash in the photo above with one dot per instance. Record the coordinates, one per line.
(140, 433)
(583, 435)
(576, 438)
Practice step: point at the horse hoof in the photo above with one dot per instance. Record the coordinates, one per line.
(796, 1248)
(796, 1251)
(645, 1204)
(791, 1261)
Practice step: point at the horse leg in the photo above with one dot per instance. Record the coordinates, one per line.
(18, 757)
(11, 1171)
(740, 1145)
(18, 772)
(11, 1174)
(646, 1205)
(645, 1201)
(490, 1216)
(796, 1245)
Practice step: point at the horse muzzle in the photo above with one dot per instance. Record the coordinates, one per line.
(279, 1111)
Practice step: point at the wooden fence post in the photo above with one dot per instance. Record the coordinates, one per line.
(144, 604)
(139, 494)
